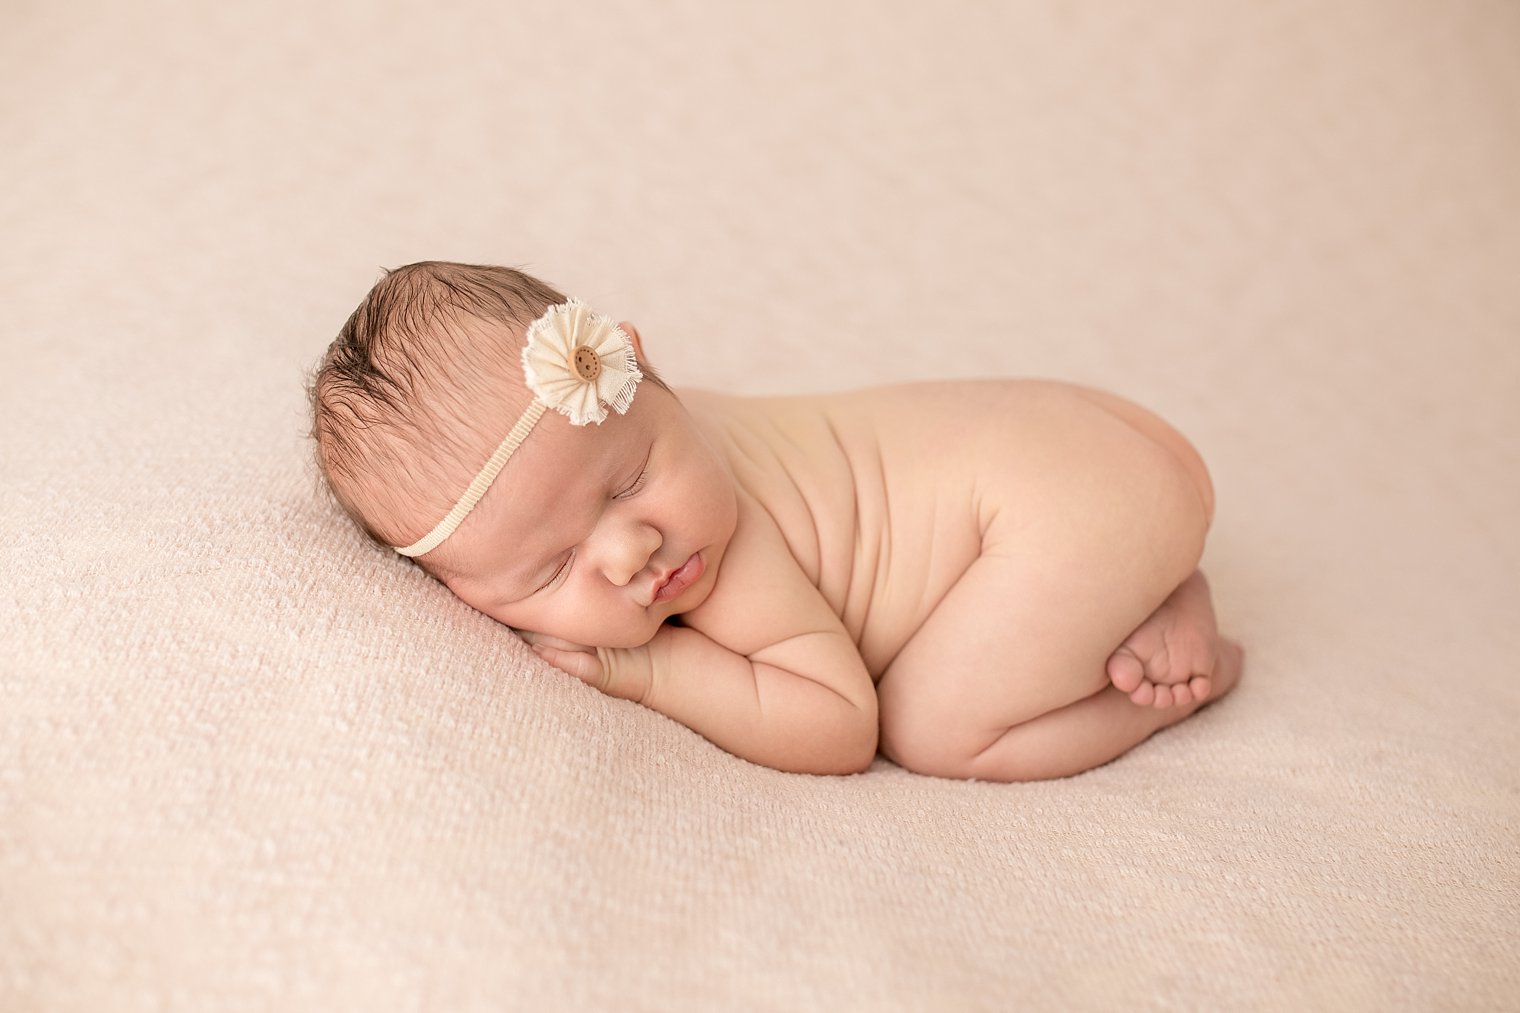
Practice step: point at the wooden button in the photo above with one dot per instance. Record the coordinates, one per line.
(587, 363)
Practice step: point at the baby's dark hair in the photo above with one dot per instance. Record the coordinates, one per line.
(425, 371)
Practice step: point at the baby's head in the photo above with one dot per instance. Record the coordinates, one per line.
(435, 441)
(425, 372)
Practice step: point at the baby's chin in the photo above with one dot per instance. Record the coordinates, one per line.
(636, 635)
(628, 643)
(629, 639)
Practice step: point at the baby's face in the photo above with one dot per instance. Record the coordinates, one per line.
(598, 534)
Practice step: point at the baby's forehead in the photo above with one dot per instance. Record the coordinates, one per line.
(571, 460)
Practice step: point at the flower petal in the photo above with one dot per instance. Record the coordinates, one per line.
(549, 367)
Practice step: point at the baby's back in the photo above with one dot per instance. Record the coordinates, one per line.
(883, 495)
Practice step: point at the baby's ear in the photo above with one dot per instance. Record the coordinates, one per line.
(633, 335)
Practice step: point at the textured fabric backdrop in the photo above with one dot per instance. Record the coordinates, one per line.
(248, 761)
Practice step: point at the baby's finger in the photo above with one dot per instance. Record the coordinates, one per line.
(583, 666)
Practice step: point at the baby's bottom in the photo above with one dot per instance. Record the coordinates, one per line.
(1086, 577)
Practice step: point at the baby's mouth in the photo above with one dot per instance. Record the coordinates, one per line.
(688, 574)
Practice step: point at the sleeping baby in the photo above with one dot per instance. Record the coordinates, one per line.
(993, 580)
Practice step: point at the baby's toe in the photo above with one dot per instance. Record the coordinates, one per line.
(1145, 695)
(1201, 686)
(1163, 698)
(1194, 657)
(1125, 670)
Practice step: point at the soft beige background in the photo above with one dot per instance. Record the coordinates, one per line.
(246, 761)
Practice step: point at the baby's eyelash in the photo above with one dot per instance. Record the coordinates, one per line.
(563, 569)
(638, 484)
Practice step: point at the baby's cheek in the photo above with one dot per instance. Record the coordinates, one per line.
(721, 501)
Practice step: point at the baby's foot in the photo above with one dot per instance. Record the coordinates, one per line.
(1170, 660)
(1231, 661)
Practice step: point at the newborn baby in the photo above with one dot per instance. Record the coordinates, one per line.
(993, 580)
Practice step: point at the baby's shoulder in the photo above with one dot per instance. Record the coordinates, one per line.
(789, 452)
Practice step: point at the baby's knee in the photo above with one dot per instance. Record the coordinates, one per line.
(922, 747)
(924, 738)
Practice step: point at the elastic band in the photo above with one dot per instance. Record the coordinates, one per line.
(575, 361)
(477, 489)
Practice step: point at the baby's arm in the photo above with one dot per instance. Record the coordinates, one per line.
(763, 668)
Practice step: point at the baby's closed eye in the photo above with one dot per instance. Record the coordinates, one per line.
(634, 486)
(638, 482)
(559, 572)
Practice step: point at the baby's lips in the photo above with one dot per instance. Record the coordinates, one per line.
(683, 576)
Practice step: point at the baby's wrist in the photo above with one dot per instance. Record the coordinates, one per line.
(627, 672)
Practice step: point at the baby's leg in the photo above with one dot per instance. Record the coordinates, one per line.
(1167, 660)
(1007, 679)
(1104, 726)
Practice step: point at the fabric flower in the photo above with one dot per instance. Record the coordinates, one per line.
(580, 363)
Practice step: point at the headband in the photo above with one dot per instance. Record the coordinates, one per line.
(577, 362)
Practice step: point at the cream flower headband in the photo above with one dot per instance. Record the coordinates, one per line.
(577, 362)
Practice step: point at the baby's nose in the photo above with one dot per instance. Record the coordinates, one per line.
(627, 551)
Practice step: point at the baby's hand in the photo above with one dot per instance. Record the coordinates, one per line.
(623, 673)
